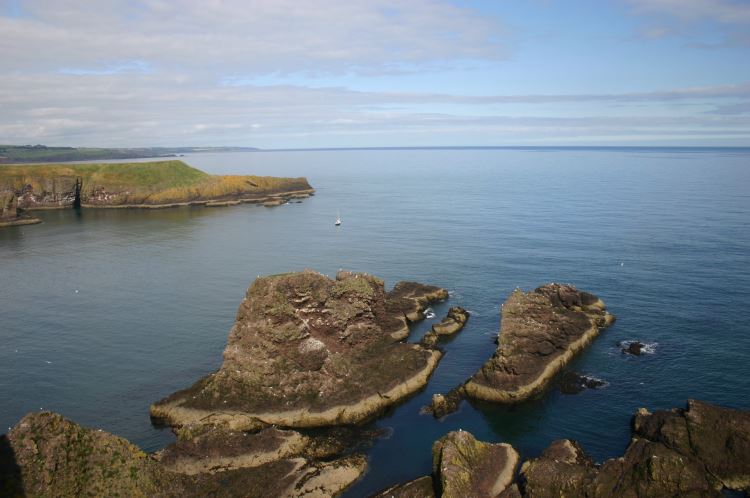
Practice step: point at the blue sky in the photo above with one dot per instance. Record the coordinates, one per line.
(341, 73)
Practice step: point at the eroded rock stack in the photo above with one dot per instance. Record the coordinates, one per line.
(307, 351)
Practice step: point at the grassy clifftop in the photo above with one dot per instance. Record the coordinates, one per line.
(161, 182)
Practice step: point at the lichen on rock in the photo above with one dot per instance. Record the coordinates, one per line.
(467, 467)
(46, 455)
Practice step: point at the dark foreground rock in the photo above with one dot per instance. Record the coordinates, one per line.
(450, 325)
(309, 351)
(693, 452)
(541, 332)
(46, 455)
(463, 467)
(467, 467)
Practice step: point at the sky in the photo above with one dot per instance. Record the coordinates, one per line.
(374, 73)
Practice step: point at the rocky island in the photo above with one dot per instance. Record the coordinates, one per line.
(141, 185)
(540, 333)
(307, 350)
(698, 451)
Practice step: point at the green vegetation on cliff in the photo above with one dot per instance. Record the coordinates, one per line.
(150, 183)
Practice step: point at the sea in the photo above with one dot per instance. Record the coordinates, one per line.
(103, 312)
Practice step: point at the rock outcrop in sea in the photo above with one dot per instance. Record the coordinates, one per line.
(453, 322)
(307, 350)
(46, 455)
(541, 331)
(694, 452)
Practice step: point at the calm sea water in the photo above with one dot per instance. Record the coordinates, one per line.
(104, 312)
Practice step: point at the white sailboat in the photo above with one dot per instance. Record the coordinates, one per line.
(338, 219)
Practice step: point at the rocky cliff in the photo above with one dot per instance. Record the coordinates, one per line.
(148, 184)
(307, 350)
(9, 212)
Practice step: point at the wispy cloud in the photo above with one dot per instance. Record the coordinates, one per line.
(707, 23)
(151, 72)
(133, 110)
(261, 36)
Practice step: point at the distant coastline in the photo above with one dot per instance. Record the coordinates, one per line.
(41, 154)
(150, 185)
(12, 154)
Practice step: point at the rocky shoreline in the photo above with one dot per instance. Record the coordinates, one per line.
(310, 359)
(701, 450)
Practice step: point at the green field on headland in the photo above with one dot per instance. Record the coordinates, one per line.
(41, 153)
(124, 184)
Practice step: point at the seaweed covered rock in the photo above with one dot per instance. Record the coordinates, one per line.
(541, 331)
(46, 455)
(467, 467)
(453, 322)
(445, 404)
(308, 351)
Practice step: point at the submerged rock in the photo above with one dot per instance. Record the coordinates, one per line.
(445, 404)
(46, 455)
(635, 348)
(541, 331)
(574, 383)
(309, 351)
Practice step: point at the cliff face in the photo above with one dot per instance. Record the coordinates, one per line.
(307, 351)
(8, 205)
(540, 333)
(10, 215)
(139, 184)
